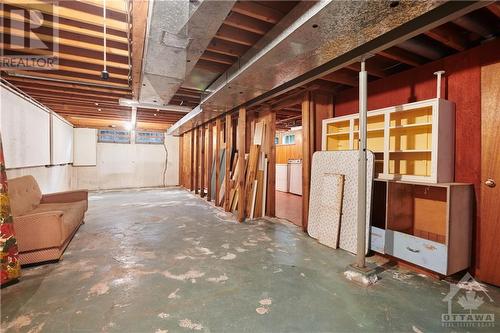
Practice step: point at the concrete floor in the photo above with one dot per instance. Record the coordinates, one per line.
(163, 260)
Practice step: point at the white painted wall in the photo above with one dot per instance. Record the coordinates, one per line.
(57, 178)
(130, 166)
(85, 147)
(115, 165)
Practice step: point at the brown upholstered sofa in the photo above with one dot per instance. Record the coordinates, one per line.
(44, 224)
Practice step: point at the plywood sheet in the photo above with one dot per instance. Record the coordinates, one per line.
(345, 163)
(325, 207)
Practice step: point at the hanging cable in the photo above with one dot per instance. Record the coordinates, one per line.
(104, 73)
(166, 162)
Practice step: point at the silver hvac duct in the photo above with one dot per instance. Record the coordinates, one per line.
(329, 35)
(177, 34)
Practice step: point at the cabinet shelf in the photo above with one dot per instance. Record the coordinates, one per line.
(401, 127)
(337, 134)
(372, 130)
(407, 151)
(407, 137)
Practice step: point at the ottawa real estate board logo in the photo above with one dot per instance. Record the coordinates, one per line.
(30, 36)
(465, 300)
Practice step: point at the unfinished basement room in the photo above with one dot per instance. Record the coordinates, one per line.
(249, 166)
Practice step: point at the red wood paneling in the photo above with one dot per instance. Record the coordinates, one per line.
(462, 85)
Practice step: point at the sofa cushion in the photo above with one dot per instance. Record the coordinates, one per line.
(73, 213)
(24, 195)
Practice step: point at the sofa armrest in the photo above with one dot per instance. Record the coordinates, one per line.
(39, 230)
(64, 197)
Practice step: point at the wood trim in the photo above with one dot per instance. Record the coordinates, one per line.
(241, 133)
(270, 148)
(217, 159)
(202, 161)
(210, 155)
(229, 139)
(196, 165)
(191, 162)
(307, 151)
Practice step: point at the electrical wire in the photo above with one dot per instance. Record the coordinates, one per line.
(166, 163)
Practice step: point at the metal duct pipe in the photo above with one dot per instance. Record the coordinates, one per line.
(178, 32)
(328, 36)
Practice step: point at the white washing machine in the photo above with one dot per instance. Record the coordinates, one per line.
(295, 176)
(282, 177)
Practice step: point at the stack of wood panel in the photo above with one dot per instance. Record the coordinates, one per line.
(255, 177)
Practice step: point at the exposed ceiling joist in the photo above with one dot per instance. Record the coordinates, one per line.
(68, 13)
(257, 11)
(402, 56)
(247, 23)
(448, 35)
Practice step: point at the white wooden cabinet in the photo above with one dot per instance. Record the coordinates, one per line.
(411, 142)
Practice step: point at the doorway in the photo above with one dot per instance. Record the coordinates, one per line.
(288, 141)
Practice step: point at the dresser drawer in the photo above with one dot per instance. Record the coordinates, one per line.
(419, 251)
(377, 239)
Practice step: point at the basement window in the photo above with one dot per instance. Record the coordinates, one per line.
(154, 138)
(289, 139)
(113, 136)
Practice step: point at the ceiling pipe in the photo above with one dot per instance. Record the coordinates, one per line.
(178, 32)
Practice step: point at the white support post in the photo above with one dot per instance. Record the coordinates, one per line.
(439, 74)
(361, 231)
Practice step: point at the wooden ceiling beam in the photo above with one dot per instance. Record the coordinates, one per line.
(370, 68)
(288, 101)
(213, 67)
(72, 78)
(41, 93)
(117, 6)
(236, 35)
(79, 109)
(182, 93)
(448, 35)
(494, 8)
(96, 9)
(67, 87)
(247, 23)
(342, 76)
(218, 58)
(400, 55)
(63, 41)
(224, 47)
(75, 101)
(113, 117)
(14, 16)
(71, 54)
(257, 11)
(71, 14)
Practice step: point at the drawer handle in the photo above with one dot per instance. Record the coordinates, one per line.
(412, 250)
